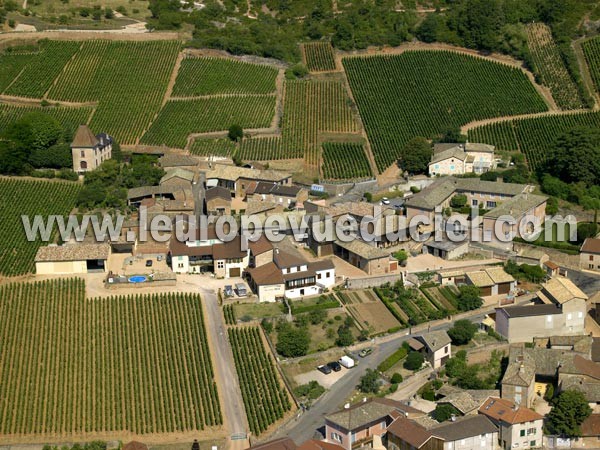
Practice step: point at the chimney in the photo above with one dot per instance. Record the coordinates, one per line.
(522, 368)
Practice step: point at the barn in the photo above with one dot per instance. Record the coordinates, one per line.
(72, 259)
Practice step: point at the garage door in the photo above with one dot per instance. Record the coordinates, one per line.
(504, 288)
(486, 291)
(234, 272)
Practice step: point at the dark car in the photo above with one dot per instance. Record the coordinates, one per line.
(325, 369)
(335, 366)
(148, 263)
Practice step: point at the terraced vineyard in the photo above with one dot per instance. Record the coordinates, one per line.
(30, 198)
(38, 70)
(311, 108)
(423, 93)
(551, 67)
(76, 366)
(127, 79)
(591, 50)
(12, 63)
(342, 161)
(209, 76)
(532, 136)
(319, 56)
(212, 147)
(180, 118)
(69, 117)
(265, 398)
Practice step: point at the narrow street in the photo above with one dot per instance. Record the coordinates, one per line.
(234, 414)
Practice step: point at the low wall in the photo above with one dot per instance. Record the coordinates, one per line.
(531, 252)
(363, 283)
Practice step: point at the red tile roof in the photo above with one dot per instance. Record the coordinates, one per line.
(591, 426)
(409, 431)
(591, 245)
(504, 410)
(267, 274)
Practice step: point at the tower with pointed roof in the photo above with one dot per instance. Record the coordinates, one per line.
(89, 150)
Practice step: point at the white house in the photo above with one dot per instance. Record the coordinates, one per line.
(458, 159)
(89, 151)
(436, 347)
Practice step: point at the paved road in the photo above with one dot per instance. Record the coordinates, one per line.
(306, 425)
(231, 396)
(586, 281)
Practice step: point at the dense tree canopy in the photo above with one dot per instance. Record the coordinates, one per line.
(462, 332)
(568, 412)
(292, 341)
(416, 155)
(576, 156)
(469, 298)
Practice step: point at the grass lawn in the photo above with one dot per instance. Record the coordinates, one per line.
(252, 311)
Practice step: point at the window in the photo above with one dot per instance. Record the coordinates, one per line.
(82, 153)
(590, 266)
(591, 256)
(336, 437)
(491, 204)
(474, 202)
(437, 166)
(522, 433)
(580, 315)
(83, 164)
(452, 167)
(318, 276)
(180, 265)
(446, 349)
(548, 319)
(532, 443)
(220, 264)
(569, 316)
(531, 431)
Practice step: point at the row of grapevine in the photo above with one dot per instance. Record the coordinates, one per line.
(180, 118)
(212, 147)
(532, 136)
(12, 65)
(265, 398)
(423, 93)
(70, 118)
(209, 76)
(267, 148)
(591, 50)
(72, 365)
(42, 68)
(29, 198)
(319, 56)
(551, 68)
(229, 314)
(128, 80)
(342, 161)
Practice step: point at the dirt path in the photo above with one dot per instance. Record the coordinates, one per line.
(172, 79)
(86, 35)
(25, 101)
(465, 128)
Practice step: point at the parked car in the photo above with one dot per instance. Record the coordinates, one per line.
(241, 289)
(324, 369)
(335, 366)
(347, 362)
(148, 263)
(228, 290)
(365, 352)
(385, 201)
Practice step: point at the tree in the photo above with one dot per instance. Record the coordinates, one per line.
(396, 378)
(444, 412)
(345, 336)
(414, 361)
(317, 316)
(458, 201)
(568, 412)
(236, 133)
(401, 256)
(415, 155)
(469, 298)
(292, 341)
(462, 332)
(369, 382)
(575, 156)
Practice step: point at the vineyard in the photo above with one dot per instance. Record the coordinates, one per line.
(532, 136)
(210, 76)
(212, 147)
(72, 365)
(38, 70)
(311, 108)
(70, 118)
(127, 79)
(265, 398)
(591, 50)
(180, 118)
(30, 198)
(342, 161)
(319, 56)
(551, 68)
(423, 93)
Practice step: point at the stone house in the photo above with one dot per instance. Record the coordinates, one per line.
(218, 201)
(589, 254)
(458, 159)
(436, 346)
(89, 151)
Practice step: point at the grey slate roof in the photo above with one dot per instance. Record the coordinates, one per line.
(516, 206)
(455, 152)
(464, 427)
(531, 310)
(434, 340)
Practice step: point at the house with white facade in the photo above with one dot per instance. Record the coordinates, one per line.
(89, 151)
(458, 159)
(436, 346)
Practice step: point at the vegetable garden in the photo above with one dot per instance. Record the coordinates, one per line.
(532, 136)
(210, 76)
(265, 398)
(551, 68)
(319, 56)
(30, 198)
(423, 93)
(72, 365)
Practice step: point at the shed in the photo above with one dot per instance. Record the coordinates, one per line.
(71, 259)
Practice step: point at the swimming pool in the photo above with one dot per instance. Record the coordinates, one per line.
(138, 279)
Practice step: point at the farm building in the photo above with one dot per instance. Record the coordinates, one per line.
(370, 259)
(491, 281)
(89, 151)
(218, 201)
(72, 259)
(446, 249)
(178, 177)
